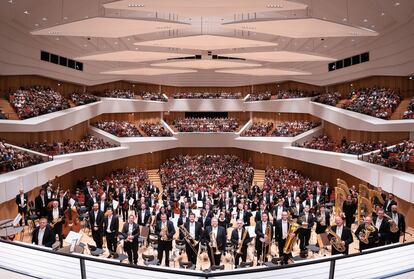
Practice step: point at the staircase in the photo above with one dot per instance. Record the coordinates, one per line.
(402, 107)
(155, 178)
(8, 110)
(259, 176)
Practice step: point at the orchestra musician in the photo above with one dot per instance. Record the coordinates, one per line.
(41, 202)
(349, 208)
(123, 203)
(194, 228)
(306, 220)
(165, 231)
(43, 234)
(344, 233)
(323, 220)
(389, 202)
(282, 227)
(21, 202)
(367, 232)
(278, 210)
(240, 238)
(264, 235)
(143, 215)
(55, 217)
(96, 218)
(204, 220)
(259, 213)
(130, 233)
(63, 201)
(399, 219)
(111, 228)
(215, 236)
(243, 213)
(383, 227)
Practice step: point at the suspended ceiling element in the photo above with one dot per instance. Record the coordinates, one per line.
(205, 8)
(148, 71)
(206, 42)
(281, 56)
(108, 27)
(264, 72)
(302, 28)
(131, 56)
(206, 64)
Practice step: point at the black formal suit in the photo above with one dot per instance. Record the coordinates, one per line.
(143, 221)
(131, 247)
(22, 209)
(165, 245)
(90, 202)
(282, 241)
(277, 210)
(321, 228)
(395, 237)
(258, 215)
(305, 232)
(246, 217)
(192, 256)
(221, 243)
(103, 206)
(326, 192)
(63, 204)
(297, 210)
(96, 226)
(41, 206)
(182, 220)
(260, 233)
(372, 239)
(204, 222)
(346, 237)
(388, 204)
(124, 205)
(292, 202)
(48, 236)
(57, 228)
(235, 239)
(383, 231)
(349, 209)
(111, 234)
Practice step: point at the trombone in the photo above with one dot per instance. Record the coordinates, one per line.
(189, 239)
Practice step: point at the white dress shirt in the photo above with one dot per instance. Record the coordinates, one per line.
(284, 229)
(108, 229)
(378, 223)
(339, 230)
(40, 237)
(192, 229)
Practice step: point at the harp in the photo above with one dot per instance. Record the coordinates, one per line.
(340, 197)
(343, 185)
(375, 194)
(365, 205)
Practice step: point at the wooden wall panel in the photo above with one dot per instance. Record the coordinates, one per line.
(279, 117)
(76, 132)
(130, 117)
(337, 133)
(275, 87)
(125, 85)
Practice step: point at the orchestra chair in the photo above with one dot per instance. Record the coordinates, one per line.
(187, 265)
(150, 260)
(245, 264)
(180, 246)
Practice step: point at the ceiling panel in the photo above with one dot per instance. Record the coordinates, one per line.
(281, 56)
(107, 27)
(148, 71)
(206, 64)
(131, 56)
(264, 72)
(302, 28)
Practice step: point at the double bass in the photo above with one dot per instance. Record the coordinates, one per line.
(72, 221)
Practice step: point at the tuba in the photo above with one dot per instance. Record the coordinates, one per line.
(364, 235)
(290, 240)
(336, 241)
(393, 226)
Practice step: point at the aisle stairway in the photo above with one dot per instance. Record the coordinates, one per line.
(8, 110)
(155, 178)
(259, 176)
(402, 107)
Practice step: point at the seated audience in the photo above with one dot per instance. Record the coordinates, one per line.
(88, 143)
(119, 93)
(258, 129)
(118, 128)
(293, 128)
(2, 115)
(154, 129)
(330, 99)
(83, 98)
(376, 102)
(409, 113)
(14, 159)
(206, 124)
(207, 95)
(260, 96)
(153, 96)
(35, 101)
(295, 93)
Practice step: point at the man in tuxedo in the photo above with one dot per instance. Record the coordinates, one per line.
(165, 231)
(183, 218)
(63, 201)
(372, 238)
(297, 208)
(344, 233)
(278, 210)
(398, 219)
(264, 235)
(349, 208)
(259, 213)
(243, 214)
(143, 215)
(96, 218)
(282, 227)
(383, 227)
(92, 200)
(326, 192)
(41, 204)
(111, 227)
(103, 205)
(216, 248)
(123, 203)
(55, 217)
(130, 233)
(43, 235)
(289, 200)
(204, 220)
(194, 228)
(310, 201)
(238, 234)
(323, 220)
(389, 203)
(306, 220)
(21, 202)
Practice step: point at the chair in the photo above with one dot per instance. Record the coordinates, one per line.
(149, 259)
(180, 245)
(187, 265)
(245, 264)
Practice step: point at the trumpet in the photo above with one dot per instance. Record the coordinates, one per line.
(336, 241)
(393, 225)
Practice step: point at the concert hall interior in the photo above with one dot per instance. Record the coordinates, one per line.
(206, 139)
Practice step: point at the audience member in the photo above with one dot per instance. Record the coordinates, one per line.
(118, 128)
(330, 99)
(14, 159)
(206, 124)
(154, 129)
(83, 98)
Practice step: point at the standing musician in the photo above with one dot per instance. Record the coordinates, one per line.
(41, 204)
(349, 208)
(281, 234)
(264, 235)
(143, 215)
(204, 220)
(123, 203)
(63, 201)
(96, 218)
(165, 231)
(215, 236)
(367, 234)
(130, 233)
(278, 210)
(383, 227)
(243, 214)
(398, 219)
(306, 220)
(194, 228)
(323, 220)
(43, 234)
(21, 201)
(111, 228)
(55, 217)
(344, 233)
(240, 238)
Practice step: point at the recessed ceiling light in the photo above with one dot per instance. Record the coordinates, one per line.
(325, 46)
(26, 12)
(410, 78)
(324, 18)
(57, 39)
(372, 26)
(136, 48)
(11, 1)
(344, 19)
(85, 45)
(128, 39)
(353, 40)
(274, 6)
(53, 32)
(36, 24)
(396, 4)
(365, 20)
(44, 19)
(382, 14)
(86, 17)
(135, 5)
